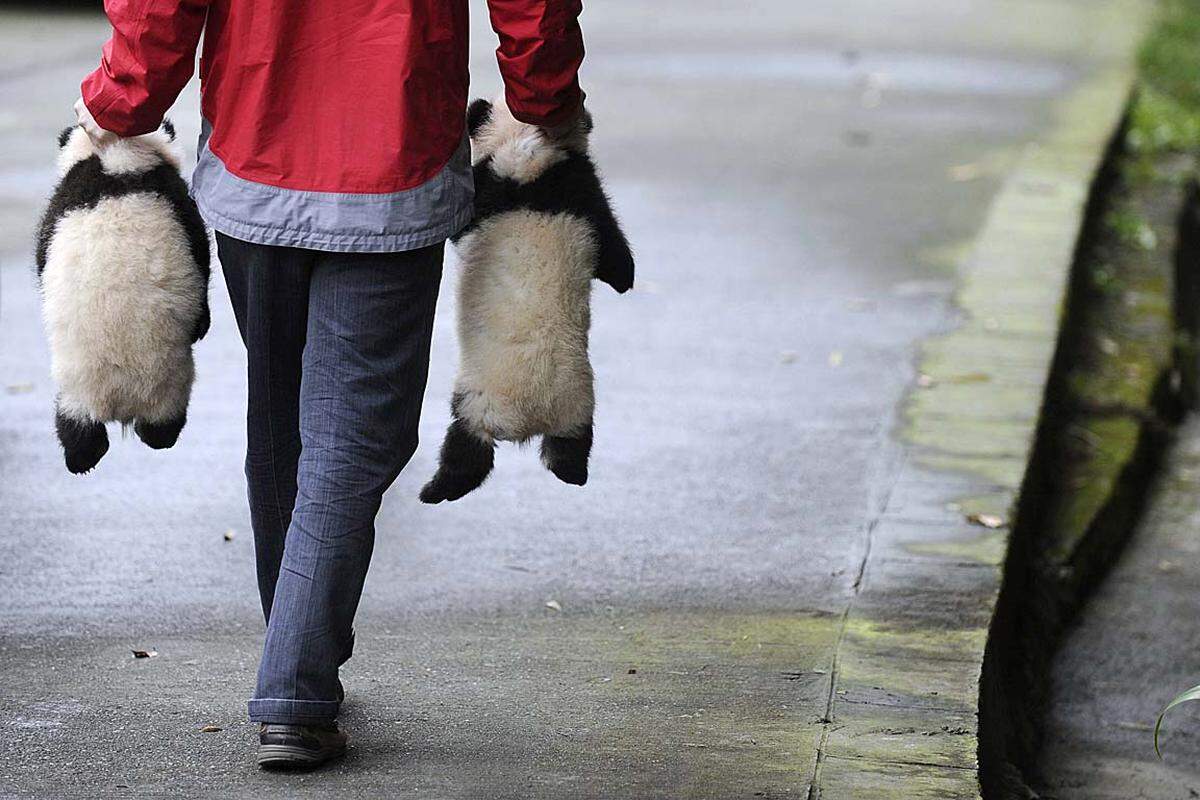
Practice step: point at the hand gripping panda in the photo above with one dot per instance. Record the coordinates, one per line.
(543, 228)
(123, 261)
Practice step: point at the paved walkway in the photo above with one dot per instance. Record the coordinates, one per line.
(801, 183)
(1132, 651)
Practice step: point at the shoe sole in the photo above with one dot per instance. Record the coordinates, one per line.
(283, 756)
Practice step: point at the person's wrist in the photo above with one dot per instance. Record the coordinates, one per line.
(565, 128)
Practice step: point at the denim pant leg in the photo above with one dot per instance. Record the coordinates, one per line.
(269, 289)
(366, 360)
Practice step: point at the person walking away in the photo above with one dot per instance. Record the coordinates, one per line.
(333, 165)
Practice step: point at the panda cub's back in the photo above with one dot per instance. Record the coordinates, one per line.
(120, 297)
(524, 288)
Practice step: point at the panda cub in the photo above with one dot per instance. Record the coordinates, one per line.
(123, 263)
(543, 228)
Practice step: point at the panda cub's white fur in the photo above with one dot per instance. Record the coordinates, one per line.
(124, 282)
(524, 299)
(523, 326)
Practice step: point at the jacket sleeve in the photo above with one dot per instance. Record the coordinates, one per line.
(541, 48)
(146, 63)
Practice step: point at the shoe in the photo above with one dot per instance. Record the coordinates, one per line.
(299, 746)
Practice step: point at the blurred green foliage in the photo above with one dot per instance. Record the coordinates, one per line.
(1166, 116)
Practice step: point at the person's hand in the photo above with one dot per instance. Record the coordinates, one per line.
(100, 137)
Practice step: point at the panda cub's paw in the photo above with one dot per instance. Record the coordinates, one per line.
(465, 463)
(159, 435)
(567, 456)
(84, 443)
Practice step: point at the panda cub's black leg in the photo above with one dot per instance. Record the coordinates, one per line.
(464, 464)
(84, 443)
(160, 435)
(567, 456)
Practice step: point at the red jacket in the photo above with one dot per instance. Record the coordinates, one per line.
(350, 96)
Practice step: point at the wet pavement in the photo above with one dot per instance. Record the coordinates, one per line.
(799, 183)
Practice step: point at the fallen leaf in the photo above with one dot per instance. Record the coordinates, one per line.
(553, 605)
(968, 377)
(210, 729)
(788, 357)
(986, 520)
(1141, 727)
(229, 534)
(144, 653)
(835, 358)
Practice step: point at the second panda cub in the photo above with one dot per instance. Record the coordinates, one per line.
(543, 229)
(123, 260)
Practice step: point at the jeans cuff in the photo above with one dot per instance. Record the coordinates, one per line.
(292, 712)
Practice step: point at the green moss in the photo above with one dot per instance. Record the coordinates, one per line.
(1166, 116)
(1158, 124)
(1131, 229)
(1170, 57)
(987, 548)
(873, 639)
(1091, 482)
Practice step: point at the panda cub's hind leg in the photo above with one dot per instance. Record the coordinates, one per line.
(160, 435)
(84, 442)
(567, 456)
(464, 464)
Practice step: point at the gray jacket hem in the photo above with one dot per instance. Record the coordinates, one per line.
(331, 221)
(334, 243)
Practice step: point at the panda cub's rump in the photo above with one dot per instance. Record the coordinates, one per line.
(543, 229)
(123, 262)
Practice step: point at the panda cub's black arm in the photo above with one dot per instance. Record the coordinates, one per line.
(614, 265)
(203, 322)
(188, 216)
(198, 241)
(45, 233)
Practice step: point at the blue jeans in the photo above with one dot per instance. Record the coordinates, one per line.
(338, 354)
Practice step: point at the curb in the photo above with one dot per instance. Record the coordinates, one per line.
(905, 699)
(1105, 423)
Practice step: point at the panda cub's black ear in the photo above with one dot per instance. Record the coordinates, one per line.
(169, 128)
(477, 114)
(64, 136)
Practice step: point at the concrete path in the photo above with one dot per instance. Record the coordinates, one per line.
(802, 183)
(1133, 649)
